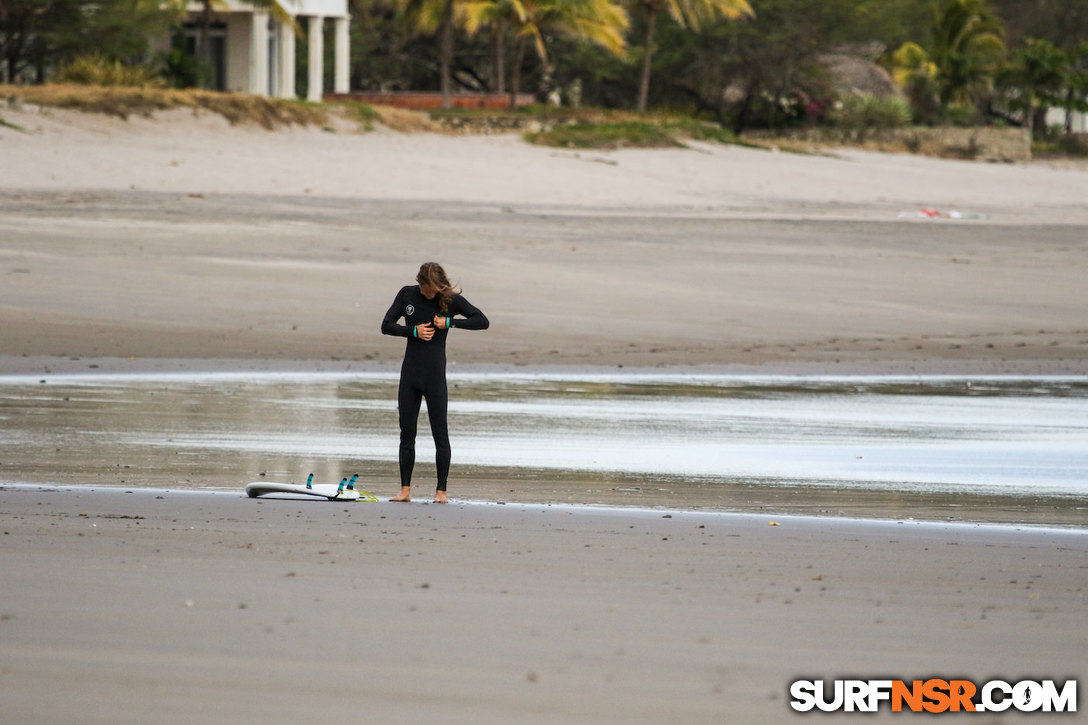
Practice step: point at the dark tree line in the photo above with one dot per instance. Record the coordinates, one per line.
(980, 60)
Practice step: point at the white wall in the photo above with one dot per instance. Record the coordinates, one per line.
(1056, 117)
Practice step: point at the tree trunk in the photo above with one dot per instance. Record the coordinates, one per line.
(500, 58)
(515, 72)
(1039, 129)
(1069, 95)
(446, 52)
(648, 49)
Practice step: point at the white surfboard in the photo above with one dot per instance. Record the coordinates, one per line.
(330, 491)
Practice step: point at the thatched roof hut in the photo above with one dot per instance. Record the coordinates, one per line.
(853, 70)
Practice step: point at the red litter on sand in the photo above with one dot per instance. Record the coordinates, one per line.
(932, 213)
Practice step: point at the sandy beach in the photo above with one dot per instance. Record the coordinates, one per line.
(185, 238)
(130, 606)
(181, 243)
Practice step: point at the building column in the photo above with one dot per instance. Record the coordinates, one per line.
(285, 63)
(258, 53)
(317, 59)
(341, 72)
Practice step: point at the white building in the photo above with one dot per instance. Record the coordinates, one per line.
(1078, 120)
(251, 52)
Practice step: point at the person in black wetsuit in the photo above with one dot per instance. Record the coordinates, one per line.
(430, 310)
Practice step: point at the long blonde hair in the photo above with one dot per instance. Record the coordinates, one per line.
(432, 275)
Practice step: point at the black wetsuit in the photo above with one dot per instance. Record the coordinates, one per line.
(423, 372)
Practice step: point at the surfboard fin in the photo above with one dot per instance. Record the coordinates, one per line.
(310, 481)
(351, 483)
(340, 489)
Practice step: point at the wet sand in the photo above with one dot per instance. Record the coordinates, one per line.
(133, 606)
(992, 450)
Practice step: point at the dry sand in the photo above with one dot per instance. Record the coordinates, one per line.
(156, 606)
(184, 243)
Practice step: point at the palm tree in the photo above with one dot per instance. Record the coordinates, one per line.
(968, 46)
(689, 13)
(916, 74)
(599, 21)
(439, 17)
(519, 15)
(1039, 73)
(496, 16)
(1076, 95)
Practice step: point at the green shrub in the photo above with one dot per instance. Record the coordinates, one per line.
(1074, 144)
(697, 130)
(961, 116)
(363, 113)
(605, 136)
(1071, 145)
(866, 112)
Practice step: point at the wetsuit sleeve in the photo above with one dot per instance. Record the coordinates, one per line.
(471, 318)
(390, 326)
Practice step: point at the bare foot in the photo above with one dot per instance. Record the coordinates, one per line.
(440, 497)
(404, 495)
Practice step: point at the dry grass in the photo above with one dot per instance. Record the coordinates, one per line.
(237, 108)
(405, 121)
(581, 127)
